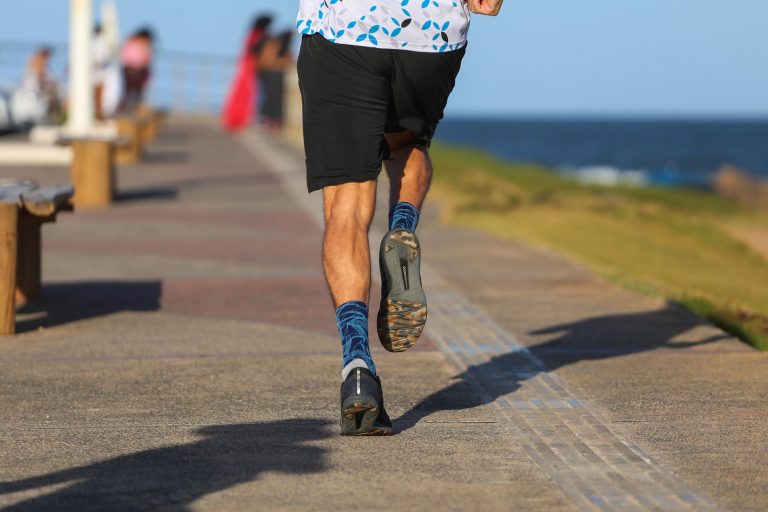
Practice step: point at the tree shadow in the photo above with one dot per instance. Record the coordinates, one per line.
(584, 340)
(62, 303)
(173, 477)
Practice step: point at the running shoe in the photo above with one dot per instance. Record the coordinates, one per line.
(403, 309)
(362, 405)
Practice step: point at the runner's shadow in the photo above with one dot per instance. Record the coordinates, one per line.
(173, 477)
(584, 340)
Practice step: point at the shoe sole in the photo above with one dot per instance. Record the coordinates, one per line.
(403, 309)
(359, 419)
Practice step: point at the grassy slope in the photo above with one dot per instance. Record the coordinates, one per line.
(664, 242)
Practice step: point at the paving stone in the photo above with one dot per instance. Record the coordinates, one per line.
(185, 357)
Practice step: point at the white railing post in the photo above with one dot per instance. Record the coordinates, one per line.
(81, 100)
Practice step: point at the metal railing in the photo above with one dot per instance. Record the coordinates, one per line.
(191, 82)
(181, 81)
(14, 56)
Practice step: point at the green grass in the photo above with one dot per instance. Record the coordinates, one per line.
(665, 242)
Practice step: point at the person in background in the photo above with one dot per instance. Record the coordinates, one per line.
(136, 58)
(39, 80)
(37, 69)
(275, 58)
(243, 94)
(100, 65)
(112, 93)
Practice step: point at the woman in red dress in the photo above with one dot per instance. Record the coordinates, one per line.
(241, 100)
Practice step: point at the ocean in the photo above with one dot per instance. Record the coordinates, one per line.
(658, 152)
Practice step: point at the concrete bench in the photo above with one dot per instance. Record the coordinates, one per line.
(24, 208)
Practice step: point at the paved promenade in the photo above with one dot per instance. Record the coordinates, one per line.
(185, 357)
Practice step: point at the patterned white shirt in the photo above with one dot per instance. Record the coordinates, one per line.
(417, 25)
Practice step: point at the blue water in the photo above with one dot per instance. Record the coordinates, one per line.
(668, 152)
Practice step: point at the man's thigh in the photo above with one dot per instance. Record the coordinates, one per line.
(346, 94)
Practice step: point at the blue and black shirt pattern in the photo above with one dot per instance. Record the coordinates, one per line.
(417, 25)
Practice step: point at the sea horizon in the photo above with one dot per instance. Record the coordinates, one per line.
(672, 150)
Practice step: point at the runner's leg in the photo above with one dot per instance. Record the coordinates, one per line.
(348, 210)
(420, 88)
(346, 93)
(403, 309)
(410, 170)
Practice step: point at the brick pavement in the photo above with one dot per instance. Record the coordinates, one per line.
(185, 357)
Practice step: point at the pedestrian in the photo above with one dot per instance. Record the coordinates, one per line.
(39, 81)
(100, 55)
(136, 58)
(375, 76)
(274, 57)
(243, 95)
(112, 91)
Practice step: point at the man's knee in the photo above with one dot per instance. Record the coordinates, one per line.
(403, 140)
(408, 148)
(346, 221)
(350, 205)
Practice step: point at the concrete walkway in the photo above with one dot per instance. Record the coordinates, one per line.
(185, 358)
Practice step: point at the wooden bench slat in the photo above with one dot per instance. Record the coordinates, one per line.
(38, 201)
(45, 201)
(11, 190)
(8, 258)
(118, 141)
(24, 207)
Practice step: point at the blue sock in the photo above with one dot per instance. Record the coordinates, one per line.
(352, 320)
(403, 215)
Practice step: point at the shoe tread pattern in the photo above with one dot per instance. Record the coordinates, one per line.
(400, 320)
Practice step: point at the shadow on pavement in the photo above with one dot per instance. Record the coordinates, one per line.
(63, 303)
(171, 188)
(144, 194)
(170, 135)
(173, 477)
(163, 156)
(585, 340)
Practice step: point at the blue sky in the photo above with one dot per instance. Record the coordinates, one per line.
(552, 57)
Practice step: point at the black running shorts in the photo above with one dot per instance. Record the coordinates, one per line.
(353, 95)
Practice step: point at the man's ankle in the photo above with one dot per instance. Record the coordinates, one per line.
(403, 215)
(355, 363)
(352, 321)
